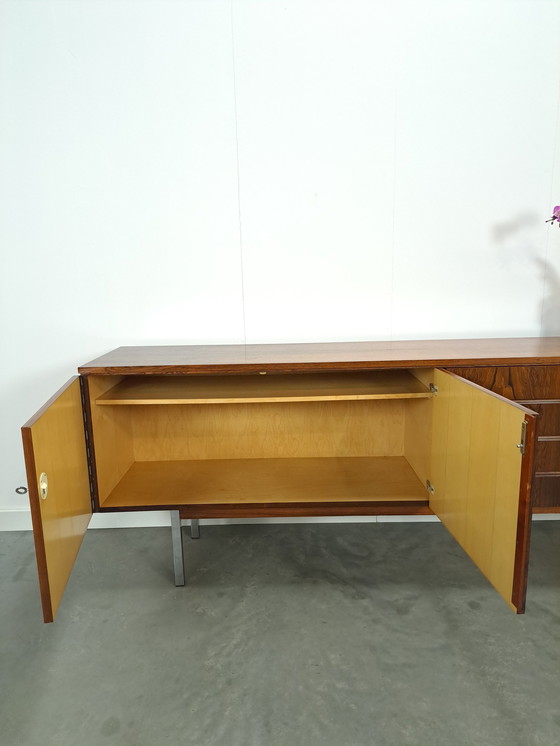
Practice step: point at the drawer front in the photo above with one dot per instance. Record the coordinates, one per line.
(535, 382)
(546, 491)
(548, 421)
(547, 456)
(546, 482)
(491, 378)
(520, 382)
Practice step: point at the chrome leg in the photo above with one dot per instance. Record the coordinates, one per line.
(177, 542)
(195, 529)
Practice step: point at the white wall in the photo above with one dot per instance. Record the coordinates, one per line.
(269, 170)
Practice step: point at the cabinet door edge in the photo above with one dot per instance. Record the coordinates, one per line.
(54, 443)
(37, 523)
(523, 541)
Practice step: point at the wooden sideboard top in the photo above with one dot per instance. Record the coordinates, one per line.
(287, 358)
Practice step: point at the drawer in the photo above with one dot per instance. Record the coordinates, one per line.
(491, 378)
(546, 491)
(548, 421)
(547, 456)
(520, 382)
(535, 382)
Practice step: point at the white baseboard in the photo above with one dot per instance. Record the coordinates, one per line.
(20, 520)
(136, 519)
(15, 519)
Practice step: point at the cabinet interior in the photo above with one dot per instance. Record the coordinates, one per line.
(306, 438)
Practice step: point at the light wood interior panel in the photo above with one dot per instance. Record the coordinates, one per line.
(424, 375)
(482, 480)
(246, 481)
(458, 459)
(112, 433)
(282, 430)
(55, 444)
(418, 437)
(136, 390)
(418, 428)
(475, 499)
(440, 434)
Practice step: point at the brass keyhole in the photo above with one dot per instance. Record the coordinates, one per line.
(43, 486)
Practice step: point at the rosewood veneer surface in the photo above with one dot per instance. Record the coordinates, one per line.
(181, 359)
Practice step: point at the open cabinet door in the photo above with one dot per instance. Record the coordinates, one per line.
(54, 445)
(481, 466)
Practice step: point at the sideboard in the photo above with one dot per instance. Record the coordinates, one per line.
(468, 430)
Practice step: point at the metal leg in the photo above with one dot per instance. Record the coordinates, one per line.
(177, 542)
(195, 529)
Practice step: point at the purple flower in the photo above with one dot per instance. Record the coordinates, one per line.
(555, 216)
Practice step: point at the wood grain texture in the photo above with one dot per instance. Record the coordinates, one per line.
(418, 429)
(112, 437)
(537, 388)
(286, 430)
(418, 437)
(477, 472)
(547, 456)
(482, 479)
(54, 443)
(493, 378)
(533, 382)
(36, 520)
(521, 568)
(136, 390)
(291, 510)
(243, 482)
(291, 358)
(546, 491)
(520, 382)
(450, 464)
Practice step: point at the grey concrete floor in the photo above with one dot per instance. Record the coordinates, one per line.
(286, 635)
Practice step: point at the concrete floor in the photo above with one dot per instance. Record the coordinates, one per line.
(286, 635)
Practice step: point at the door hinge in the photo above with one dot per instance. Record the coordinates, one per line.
(523, 444)
(434, 389)
(430, 487)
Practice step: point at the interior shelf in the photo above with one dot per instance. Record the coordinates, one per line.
(239, 482)
(264, 388)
